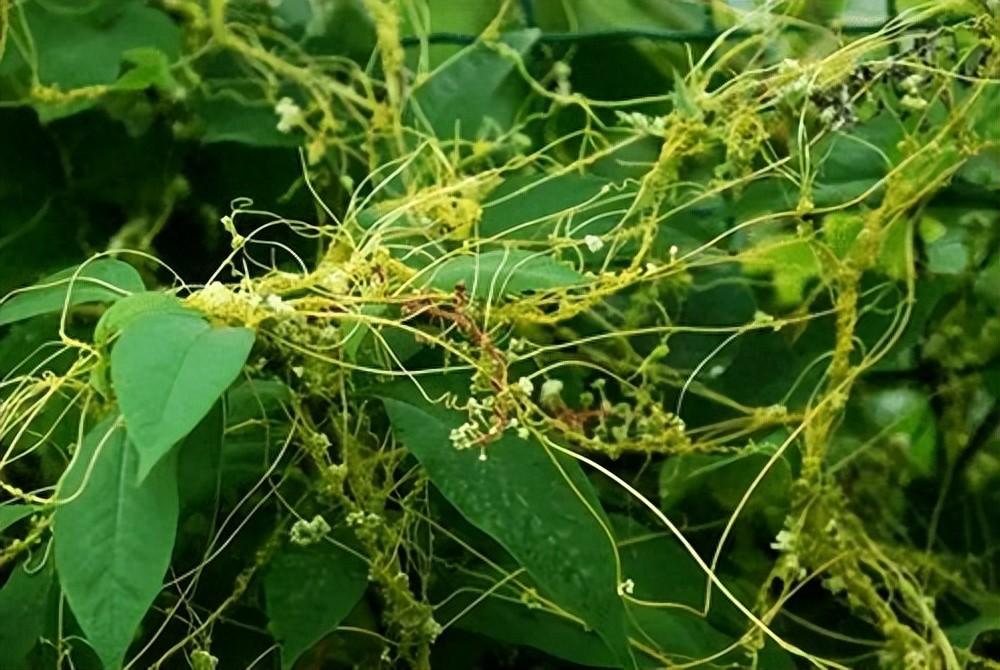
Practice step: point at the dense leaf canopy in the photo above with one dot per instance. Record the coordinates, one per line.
(493, 334)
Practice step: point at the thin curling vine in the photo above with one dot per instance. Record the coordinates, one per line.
(547, 374)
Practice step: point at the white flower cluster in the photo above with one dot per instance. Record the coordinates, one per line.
(785, 541)
(653, 125)
(803, 82)
(475, 432)
(216, 295)
(289, 114)
(551, 390)
(517, 345)
(362, 519)
(277, 305)
(305, 533)
(465, 436)
(913, 100)
(594, 243)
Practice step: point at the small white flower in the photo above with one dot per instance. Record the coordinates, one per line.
(594, 243)
(525, 386)
(523, 433)
(913, 82)
(464, 436)
(289, 115)
(828, 115)
(216, 294)
(551, 389)
(336, 281)
(275, 303)
(305, 533)
(482, 455)
(673, 252)
(914, 102)
(785, 541)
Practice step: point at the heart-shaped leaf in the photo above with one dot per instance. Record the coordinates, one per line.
(167, 370)
(503, 272)
(113, 538)
(309, 591)
(103, 280)
(538, 505)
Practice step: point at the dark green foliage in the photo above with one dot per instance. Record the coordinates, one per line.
(478, 335)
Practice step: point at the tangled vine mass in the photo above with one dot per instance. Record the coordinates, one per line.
(420, 334)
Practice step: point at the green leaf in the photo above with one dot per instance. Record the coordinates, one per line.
(528, 206)
(117, 317)
(791, 263)
(725, 478)
(151, 69)
(248, 122)
(167, 370)
(503, 272)
(77, 49)
(906, 417)
(477, 87)
(256, 425)
(946, 248)
(26, 602)
(199, 460)
(128, 309)
(536, 504)
(103, 280)
(11, 514)
(309, 591)
(516, 623)
(965, 635)
(114, 538)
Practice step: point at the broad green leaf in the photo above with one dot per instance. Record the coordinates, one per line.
(946, 247)
(199, 459)
(151, 68)
(680, 474)
(128, 309)
(256, 426)
(852, 163)
(309, 591)
(539, 506)
(26, 601)
(86, 48)
(905, 416)
(103, 280)
(477, 88)
(840, 230)
(503, 272)
(965, 635)
(226, 119)
(663, 571)
(791, 263)
(527, 206)
(167, 370)
(257, 400)
(725, 479)
(114, 538)
(518, 624)
(11, 514)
